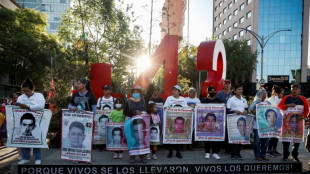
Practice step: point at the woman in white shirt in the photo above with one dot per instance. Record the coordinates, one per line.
(276, 96)
(35, 102)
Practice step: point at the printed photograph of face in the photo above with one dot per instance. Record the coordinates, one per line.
(117, 136)
(271, 117)
(179, 125)
(76, 135)
(154, 133)
(241, 125)
(27, 124)
(139, 129)
(210, 121)
(292, 123)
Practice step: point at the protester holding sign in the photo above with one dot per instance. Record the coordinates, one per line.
(117, 115)
(260, 144)
(238, 105)
(276, 96)
(155, 98)
(34, 102)
(290, 102)
(210, 120)
(176, 100)
(154, 131)
(135, 105)
(106, 101)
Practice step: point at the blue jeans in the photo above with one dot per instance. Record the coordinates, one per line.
(36, 153)
(260, 145)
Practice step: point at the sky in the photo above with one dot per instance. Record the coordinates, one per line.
(200, 19)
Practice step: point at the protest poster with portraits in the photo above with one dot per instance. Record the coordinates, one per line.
(269, 121)
(137, 132)
(155, 134)
(115, 135)
(239, 128)
(293, 125)
(76, 135)
(178, 125)
(210, 122)
(25, 128)
(100, 120)
(160, 112)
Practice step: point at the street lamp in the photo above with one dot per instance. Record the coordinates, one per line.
(262, 42)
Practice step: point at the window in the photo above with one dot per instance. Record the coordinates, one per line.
(241, 20)
(248, 42)
(248, 27)
(220, 35)
(63, 1)
(215, 19)
(230, 5)
(235, 12)
(235, 37)
(229, 28)
(224, 22)
(249, 14)
(241, 33)
(241, 7)
(235, 1)
(249, 1)
(225, 9)
(215, 28)
(220, 14)
(220, 25)
(235, 24)
(221, 3)
(215, 8)
(224, 32)
(229, 17)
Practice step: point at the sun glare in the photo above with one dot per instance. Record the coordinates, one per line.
(142, 63)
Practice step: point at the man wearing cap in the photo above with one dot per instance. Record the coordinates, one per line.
(288, 102)
(106, 101)
(176, 100)
(226, 93)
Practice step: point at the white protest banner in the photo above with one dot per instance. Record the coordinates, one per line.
(76, 135)
(115, 135)
(178, 125)
(100, 120)
(27, 129)
(210, 122)
(239, 128)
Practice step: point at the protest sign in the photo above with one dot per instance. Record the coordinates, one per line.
(101, 118)
(210, 122)
(293, 126)
(137, 131)
(269, 121)
(178, 125)
(76, 135)
(115, 136)
(155, 135)
(239, 128)
(27, 129)
(160, 112)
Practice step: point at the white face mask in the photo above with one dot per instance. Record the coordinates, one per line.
(118, 105)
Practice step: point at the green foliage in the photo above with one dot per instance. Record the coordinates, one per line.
(240, 60)
(26, 47)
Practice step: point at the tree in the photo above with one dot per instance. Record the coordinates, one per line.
(108, 36)
(26, 47)
(240, 60)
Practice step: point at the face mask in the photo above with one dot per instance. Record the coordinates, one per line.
(136, 95)
(118, 105)
(212, 94)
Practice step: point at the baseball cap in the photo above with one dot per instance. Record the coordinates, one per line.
(227, 81)
(107, 87)
(296, 85)
(210, 88)
(177, 87)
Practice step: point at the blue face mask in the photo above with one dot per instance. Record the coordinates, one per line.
(136, 95)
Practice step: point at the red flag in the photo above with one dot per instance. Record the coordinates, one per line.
(52, 92)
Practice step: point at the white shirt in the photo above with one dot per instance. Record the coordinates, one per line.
(274, 101)
(35, 102)
(171, 101)
(236, 104)
(192, 101)
(104, 103)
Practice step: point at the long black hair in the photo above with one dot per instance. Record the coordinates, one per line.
(28, 84)
(84, 81)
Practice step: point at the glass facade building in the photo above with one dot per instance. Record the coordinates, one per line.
(54, 8)
(283, 52)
